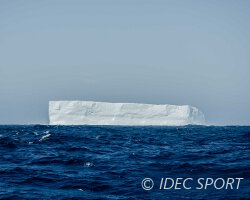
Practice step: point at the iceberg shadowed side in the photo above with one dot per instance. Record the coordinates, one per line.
(127, 114)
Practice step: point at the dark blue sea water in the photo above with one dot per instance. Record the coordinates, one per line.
(110, 162)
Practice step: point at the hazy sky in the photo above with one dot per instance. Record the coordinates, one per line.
(176, 52)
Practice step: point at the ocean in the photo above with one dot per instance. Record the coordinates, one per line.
(118, 162)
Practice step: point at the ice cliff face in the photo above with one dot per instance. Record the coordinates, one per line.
(132, 114)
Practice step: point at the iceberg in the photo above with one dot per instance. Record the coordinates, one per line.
(125, 114)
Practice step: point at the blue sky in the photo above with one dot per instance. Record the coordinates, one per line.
(175, 52)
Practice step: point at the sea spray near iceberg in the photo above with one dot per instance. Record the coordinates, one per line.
(127, 114)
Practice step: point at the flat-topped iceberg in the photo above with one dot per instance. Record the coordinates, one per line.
(127, 114)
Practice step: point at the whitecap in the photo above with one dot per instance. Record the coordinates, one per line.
(97, 137)
(44, 137)
(35, 133)
(89, 164)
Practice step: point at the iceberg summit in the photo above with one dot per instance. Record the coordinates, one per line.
(126, 114)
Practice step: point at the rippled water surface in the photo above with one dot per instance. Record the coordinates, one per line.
(110, 162)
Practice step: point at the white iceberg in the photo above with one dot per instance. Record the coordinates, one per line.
(127, 114)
